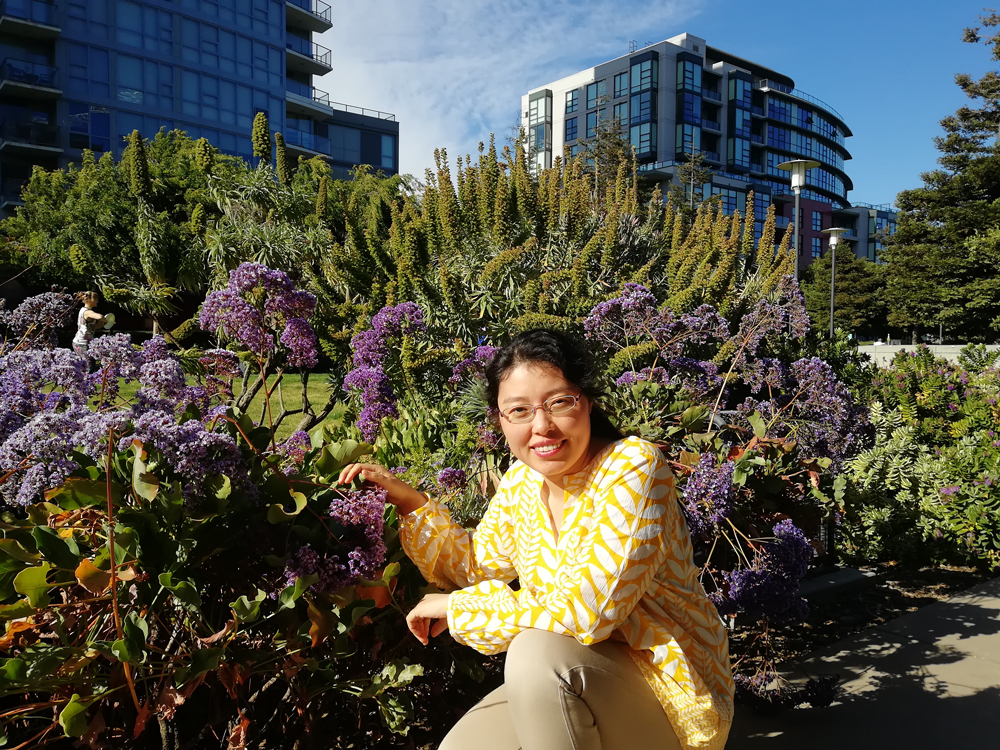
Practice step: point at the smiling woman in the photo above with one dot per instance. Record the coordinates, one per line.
(610, 639)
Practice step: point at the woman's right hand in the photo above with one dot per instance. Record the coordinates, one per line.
(403, 496)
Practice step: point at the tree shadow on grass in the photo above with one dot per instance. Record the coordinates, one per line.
(930, 679)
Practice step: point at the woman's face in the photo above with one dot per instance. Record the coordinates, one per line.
(553, 445)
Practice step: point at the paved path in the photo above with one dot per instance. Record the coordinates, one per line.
(930, 679)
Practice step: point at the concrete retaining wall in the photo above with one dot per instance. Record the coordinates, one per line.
(882, 355)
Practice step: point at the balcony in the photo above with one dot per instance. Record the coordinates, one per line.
(30, 80)
(10, 193)
(303, 99)
(305, 56)
(308, 143)
(21, 137)
(758, 139)
(29, 18)
(757, 111)
(713, 95)
(312, 15)
(712, 156)
(711, 125)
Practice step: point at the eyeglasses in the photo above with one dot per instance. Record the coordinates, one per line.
(526, 412)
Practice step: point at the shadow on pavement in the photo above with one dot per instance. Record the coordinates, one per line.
(930, 679)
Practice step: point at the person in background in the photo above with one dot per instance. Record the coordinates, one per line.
(611, 641)
(88, 320)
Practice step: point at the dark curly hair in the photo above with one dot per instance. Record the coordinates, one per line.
(545, 347)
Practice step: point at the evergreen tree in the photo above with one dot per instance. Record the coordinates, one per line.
(938, 272)
(858, 308)
(686, 194)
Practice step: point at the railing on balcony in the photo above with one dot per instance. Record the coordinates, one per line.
(757, 138)
(764, 83)
(316, 7)
(21, 131)
(310, 49)
(759, 111)
(309, 141)
(10, 190)
(711, 125)
(713, 95)
(33, 74)
(29, 10)
(355, 110)
(711, 156)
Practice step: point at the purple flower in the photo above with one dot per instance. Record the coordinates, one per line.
(452, 479)
(769, 588)
(300, 340)
(475, 365)
(33, 323)
(709, 494)
(38, 455)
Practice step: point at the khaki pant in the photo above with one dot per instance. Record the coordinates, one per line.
(560, 695)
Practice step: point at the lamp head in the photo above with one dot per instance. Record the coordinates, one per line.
(835, 234)
(798, 169)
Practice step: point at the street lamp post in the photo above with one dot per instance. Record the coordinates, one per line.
(835, 234)
(798, 169)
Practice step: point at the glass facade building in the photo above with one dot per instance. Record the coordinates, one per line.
(83, 74)
(681, 97)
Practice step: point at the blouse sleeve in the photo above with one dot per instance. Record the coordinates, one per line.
(624, 547)
(450, 557)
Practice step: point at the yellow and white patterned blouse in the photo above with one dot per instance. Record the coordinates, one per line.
(622, 568)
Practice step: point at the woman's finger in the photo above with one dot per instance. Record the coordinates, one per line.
(417, 626)
(438, 628)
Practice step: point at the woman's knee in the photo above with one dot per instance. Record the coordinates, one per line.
(536, 656)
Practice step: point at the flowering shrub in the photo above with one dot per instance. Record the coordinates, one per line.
(166, 554)
(927, 489)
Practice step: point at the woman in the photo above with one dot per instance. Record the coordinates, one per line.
(611, 642)
(87, 322)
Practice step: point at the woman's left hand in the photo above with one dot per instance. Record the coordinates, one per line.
(429, 618)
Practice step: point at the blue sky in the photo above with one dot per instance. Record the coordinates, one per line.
(453, 71)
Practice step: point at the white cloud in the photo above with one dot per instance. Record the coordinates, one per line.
(453, 71)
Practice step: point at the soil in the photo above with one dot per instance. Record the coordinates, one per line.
(893, 591)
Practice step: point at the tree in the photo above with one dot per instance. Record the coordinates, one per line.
(937, 272)
(857, 305)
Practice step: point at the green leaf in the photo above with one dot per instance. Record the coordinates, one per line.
(759, 428)
(64, 553)
(16, 611)
(144, 484)
(13, 670)
(203, 660)
(248, 610)
(276, 512)
(183, 591)
(14, 548)
(292, 594)
(77, 492)
(33, 584)
(73, 717)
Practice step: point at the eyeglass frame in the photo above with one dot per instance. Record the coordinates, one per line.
(544, 406)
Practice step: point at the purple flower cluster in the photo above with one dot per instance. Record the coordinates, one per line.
(769, 588)
(372, 354)
(38, 455)
(451, 480)
(784, 314)
(645, 375)
(38, 380)
(33, 323)
(333, 575)
(221, 367)
(474, 365)
(193, 453)
(257, 303)
(360, 514)
(292, 451)
(631, 315)
(709, 494)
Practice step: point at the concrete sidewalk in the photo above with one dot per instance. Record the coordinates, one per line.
(930, 679)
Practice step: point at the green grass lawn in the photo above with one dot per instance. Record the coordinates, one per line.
(289, 392)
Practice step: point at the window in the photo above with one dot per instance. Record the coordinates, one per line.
(145, 82)
(817, 221)
(596, 93)
(621, 113)
(88, 18)
(89, 71)
(572, 100)
(739, 153)
(645, 75)
(571, 125)
(740, 92)
(688, 139)
(643, 138)
(817, 247)
(147, 28)
(690, 108)
(689, 76)
(89, 127)
(741, 123)
(539, 110)
(643, 107)
(591, 124)
(621, 85)
(729, 200)
(388, 152)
